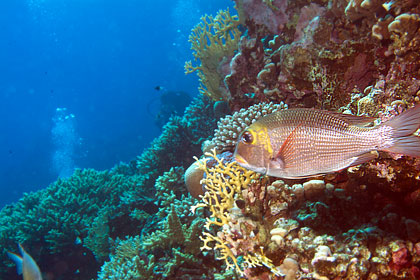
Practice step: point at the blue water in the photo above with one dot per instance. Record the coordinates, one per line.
(101, 61)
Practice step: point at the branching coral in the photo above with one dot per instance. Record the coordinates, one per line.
(213, 42)
(224, 181)
(126, 263)
(97, 237)
(170, 248)
(315, 230)
(84, 211)
(70, 210)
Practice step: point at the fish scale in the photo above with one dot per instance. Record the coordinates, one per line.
(299, 143)
(320, 141)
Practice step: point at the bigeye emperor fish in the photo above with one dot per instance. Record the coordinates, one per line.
(25, 265)
(299, 143)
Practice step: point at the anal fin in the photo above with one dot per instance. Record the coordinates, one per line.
(364, 158)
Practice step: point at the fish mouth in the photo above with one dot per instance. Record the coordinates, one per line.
(241, 161)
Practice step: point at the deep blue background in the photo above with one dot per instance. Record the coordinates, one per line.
(99, 59)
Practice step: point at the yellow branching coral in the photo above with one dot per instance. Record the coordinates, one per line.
(223, 181)
(260, 259)
(225, 252)
(213, 40)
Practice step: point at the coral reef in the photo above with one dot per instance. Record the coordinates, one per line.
(264, 228)
(172, 250)
(69, 210)
(321, 54)
(359, 57)
(86, 212)
(179, 142)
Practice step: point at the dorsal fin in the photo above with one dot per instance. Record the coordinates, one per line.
(352, 119)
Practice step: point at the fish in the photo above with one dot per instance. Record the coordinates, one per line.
(25, 265)
(302, 143)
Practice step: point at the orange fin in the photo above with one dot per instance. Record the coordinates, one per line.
(287, 151)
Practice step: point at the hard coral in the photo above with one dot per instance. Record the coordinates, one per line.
(173, 247)
(335, 235)
(229, 128)
(324, 54)
(298, 66)
(357, 9)
(179, 142)
(192, 178)
(76, 208)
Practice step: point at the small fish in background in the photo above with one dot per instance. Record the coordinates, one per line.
(25, 265)
(158, 88)
(299, 143)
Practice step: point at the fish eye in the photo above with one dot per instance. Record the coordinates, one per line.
(247, 137)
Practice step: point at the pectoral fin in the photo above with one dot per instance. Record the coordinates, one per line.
(288, 152)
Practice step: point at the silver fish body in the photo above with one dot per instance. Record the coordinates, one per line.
(298, 143)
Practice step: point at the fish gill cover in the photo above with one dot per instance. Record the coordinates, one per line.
(135, 221)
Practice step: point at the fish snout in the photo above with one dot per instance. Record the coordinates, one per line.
(245, 164)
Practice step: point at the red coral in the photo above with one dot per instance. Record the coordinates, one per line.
(400, 259)
(415, 271)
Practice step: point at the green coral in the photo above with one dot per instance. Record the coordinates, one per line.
(176, 238)
(126, 264)
(98, 234)
(92, 207)
(69, 209)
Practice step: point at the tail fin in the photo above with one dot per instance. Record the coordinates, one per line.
(404, 126)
